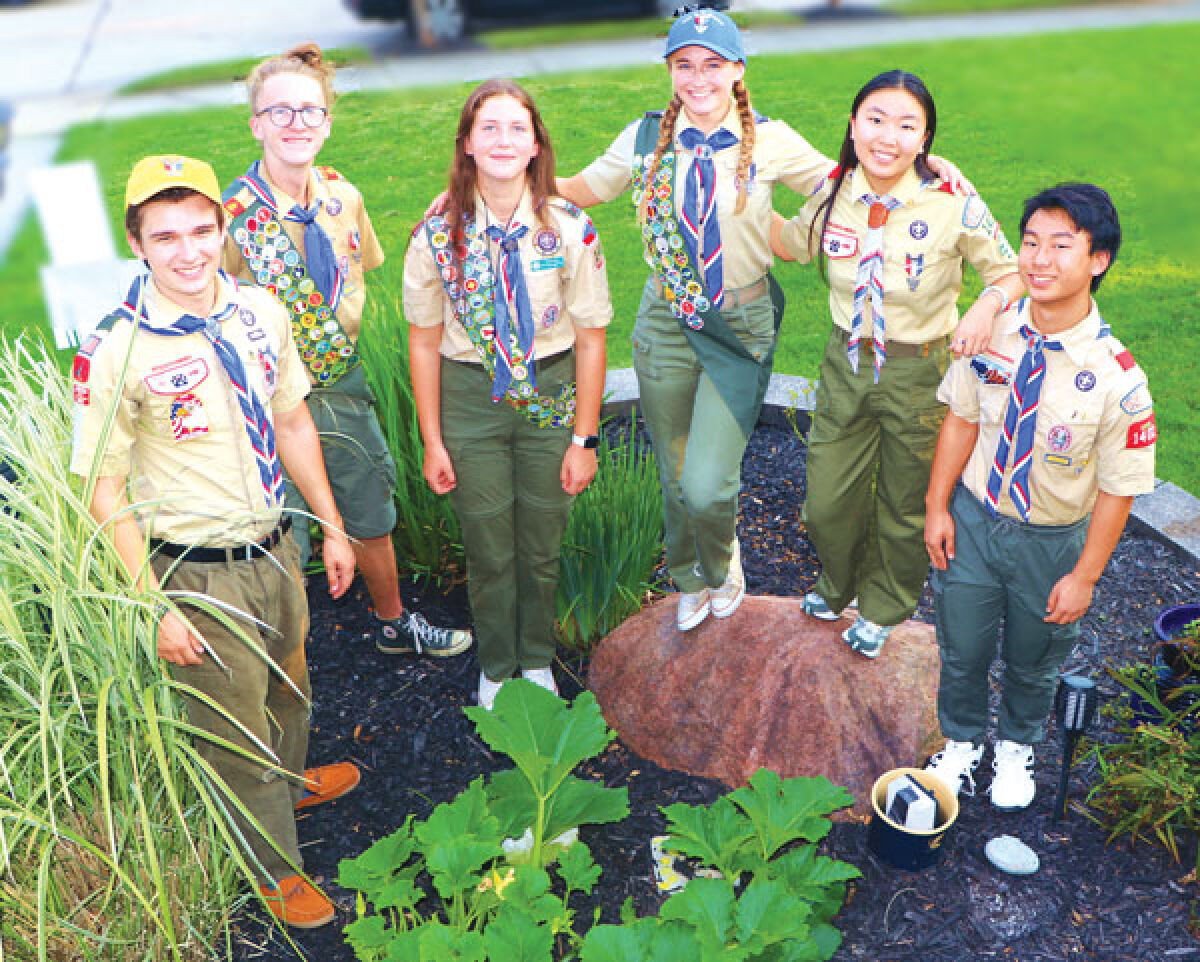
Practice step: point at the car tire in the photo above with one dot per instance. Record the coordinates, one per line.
(446, 21)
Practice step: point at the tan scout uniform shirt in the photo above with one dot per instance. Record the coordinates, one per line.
(925, 242)
(344, 218)
(178, 432)
(564, 275)
(780, 155)
(1095, 420)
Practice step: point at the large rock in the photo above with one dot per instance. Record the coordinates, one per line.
(770, 687)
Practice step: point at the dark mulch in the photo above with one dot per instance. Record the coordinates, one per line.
(400, 719)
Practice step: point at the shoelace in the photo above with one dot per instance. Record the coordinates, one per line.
(967, 772)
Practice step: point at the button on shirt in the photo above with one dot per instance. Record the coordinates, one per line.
(780, 156)
(345, 220)
(1095, 420)
(178, 433)
(565, 276)
(925, 241)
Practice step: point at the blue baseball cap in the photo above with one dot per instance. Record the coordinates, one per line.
(710, 29)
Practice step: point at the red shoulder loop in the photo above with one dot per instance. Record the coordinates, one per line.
(329, 173)
(836, 172)
(1125, 359)
(946, 187)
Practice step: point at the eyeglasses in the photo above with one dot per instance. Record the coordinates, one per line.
(282, 116)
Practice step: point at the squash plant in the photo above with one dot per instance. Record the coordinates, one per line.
(443, 890)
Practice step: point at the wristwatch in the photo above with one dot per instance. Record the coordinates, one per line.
(585, 440)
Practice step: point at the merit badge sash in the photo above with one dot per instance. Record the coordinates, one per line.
(279, 267)
(720, 351)
(474, 304)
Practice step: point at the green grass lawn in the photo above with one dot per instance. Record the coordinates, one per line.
(1015, 113)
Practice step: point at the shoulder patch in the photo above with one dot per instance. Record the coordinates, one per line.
(975, 214)
(1125, 359)
(329, 173)
(1142, 434)
(566, 206)
(946, 187)
(235, 194)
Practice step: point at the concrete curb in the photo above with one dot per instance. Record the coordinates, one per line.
(1168, 513)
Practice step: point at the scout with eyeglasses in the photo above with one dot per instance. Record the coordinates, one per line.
(301, 231)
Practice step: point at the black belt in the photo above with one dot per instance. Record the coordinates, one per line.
(206, 555)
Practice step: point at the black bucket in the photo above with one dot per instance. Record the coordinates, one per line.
(906, 848)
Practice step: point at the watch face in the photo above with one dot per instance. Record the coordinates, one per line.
(592, 441)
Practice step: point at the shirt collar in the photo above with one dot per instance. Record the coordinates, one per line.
(162, 312)
(732, 122)
(1076, 340)
(283, 200)
(905, 191)
(522, 215)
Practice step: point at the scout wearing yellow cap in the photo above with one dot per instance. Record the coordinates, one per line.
(152, 175)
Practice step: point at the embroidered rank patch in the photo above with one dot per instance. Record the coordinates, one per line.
(234, 206)
(333, 206)
(1085, 380)
(1125, 359)
(188, 417)
(1142, 434)
(1136, 401)
(1058, 438)
(918, 230)
(550, 315)
(177, 377)
(546, 240)
(840, 241)
(914, 266)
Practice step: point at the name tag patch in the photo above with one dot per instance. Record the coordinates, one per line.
(546, 263)
(177, 377)
(1060, 459)
(840, 241)
(1142, 434)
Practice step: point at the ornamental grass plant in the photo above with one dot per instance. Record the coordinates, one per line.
(114, 844)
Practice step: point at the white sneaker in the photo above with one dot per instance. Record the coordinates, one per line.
(727, 598)
(1012, 787)
(542, 677)
(813, 604)
(955, 765)
(487, 691)
(694, 607)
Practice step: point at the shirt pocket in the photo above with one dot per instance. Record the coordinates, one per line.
(1067, 429)
(912, 276)
(993, 400)
(545, 290)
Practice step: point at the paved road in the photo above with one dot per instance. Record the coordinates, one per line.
(63, 61)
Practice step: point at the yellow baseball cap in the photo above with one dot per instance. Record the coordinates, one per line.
(153, 175)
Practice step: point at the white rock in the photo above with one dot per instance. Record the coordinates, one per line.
(1011, 855)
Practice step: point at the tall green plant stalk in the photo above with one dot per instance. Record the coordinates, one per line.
(427, 536)
(115, 842)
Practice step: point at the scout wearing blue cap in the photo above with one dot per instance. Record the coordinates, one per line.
(710, 29)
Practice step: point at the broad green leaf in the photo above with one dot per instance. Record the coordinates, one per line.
(707, 904)
(543, 736)
(406, 946)
(783, 811)
(578, 802)
(380, 862)
(577, 869)
(714, 835)
(530, 892)
(674, 940)
(459, 838)
(517, 936)
(815, 878)
(628, 912)
(618, 943)
(827, 940)
(768, 913)
(511, 800)
(442, 943)
(399, 893)
(368, 936)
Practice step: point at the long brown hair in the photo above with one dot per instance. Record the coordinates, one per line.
(460, 191)
(666, 133)
(305, 59)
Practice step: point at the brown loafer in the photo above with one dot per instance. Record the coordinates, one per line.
(328, 782)
(298, 903)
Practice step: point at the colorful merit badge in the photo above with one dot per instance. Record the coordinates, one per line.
(188, 418)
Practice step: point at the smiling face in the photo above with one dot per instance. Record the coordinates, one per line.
(889, 132)
(294, 146)
(181, 241)
(502, 141)
(704, 81)
(1057, 263)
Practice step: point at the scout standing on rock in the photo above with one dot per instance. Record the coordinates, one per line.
(203, 387)
(1049, 436)
(893, 239)
(507, 298)
(303, 233)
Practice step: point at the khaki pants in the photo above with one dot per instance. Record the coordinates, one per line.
(869, 455)
(512, 510)
(1003, 569)
(697, 441)
(269, 588)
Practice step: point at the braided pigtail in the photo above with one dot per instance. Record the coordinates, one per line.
(666, 133)
(746, 151)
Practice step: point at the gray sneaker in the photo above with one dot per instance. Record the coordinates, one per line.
(412, 634)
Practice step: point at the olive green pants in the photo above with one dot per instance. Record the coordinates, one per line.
(513, 511)
(697, 441)
(869, 454)
(1002, 570)
(268, 587)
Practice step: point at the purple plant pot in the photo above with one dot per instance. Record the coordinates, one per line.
(1171, 621)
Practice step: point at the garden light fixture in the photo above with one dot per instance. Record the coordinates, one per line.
(1075, 708)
